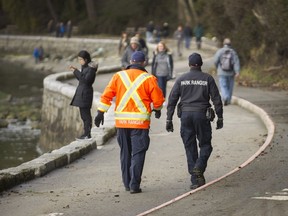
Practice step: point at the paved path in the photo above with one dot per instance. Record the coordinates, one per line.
(92, 185)
(261, 188)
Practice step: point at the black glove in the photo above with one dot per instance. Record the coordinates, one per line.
(99, 118)
(157, 113)
(169, 126)
(219, 123)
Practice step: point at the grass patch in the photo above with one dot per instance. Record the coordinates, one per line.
(3, 96)
(272, 77)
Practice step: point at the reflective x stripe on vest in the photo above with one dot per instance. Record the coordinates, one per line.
(131, 93)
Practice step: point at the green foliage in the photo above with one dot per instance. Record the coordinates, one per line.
(274, 77)
(2, 96)
(32, 16)
(215, 19)
(22, 13)
(258, 29)
(115, 17)
(275, 15)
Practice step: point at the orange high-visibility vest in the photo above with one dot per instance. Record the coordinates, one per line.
(135, 92)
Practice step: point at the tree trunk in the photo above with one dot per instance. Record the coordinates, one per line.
(91, 10)
(192, 9)
(183, 12)
(180, 11)
(51, 10)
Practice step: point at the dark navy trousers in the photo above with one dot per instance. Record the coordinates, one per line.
(162, 83)
(133, 146)
(196, 127)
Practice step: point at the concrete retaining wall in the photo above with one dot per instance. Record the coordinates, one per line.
(61, 123)
(55, 46)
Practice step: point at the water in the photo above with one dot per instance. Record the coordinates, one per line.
(18, 142)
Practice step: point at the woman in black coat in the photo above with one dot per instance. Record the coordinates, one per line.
(84, 93)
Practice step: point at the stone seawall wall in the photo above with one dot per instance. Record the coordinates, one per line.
(55, 46)
(60, 121)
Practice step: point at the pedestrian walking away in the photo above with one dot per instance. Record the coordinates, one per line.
(165, 30)
(195, 89)
(84, 92)
(130, 49)
(162, 65)
(142, 42)
(187, 33)
(149, 32)
(228, 67)
(69, 28)
(179, 37)
(135, 91)
(198, 32)
(123, 43)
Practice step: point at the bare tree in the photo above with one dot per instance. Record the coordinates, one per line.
(51, 10)
(190, 4)
(183, 12)
(90, 6)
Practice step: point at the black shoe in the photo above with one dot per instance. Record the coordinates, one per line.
(226, 103)
(135, 191)
(127, 189)
(84, 137)
(199, 176)
(194, 186)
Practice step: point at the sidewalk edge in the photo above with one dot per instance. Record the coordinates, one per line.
(269, 124)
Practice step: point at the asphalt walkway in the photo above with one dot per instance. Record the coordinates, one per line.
(92, 185)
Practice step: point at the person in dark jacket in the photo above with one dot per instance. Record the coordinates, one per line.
(84, 93)
(195, 89)
(187, 33)
(133, 47)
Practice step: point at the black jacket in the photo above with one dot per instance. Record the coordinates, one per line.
(195, 89)
(84, 93)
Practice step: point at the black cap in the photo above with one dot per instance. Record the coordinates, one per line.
(195, 60)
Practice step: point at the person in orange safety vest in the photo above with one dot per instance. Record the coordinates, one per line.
(135, 91)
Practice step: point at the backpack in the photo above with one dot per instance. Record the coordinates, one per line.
(226, 60)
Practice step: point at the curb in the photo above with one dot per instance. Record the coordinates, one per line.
(271, 130)
(44, 164)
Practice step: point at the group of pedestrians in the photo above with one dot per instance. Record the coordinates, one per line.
(138, 94)
(59, 29)
(185, 35)
(156, 33)
(162, 58)
(38, 54)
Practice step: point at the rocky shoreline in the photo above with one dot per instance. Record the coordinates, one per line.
(21, 109)
(30, 108)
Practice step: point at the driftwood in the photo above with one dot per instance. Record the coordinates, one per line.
(273, 68)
